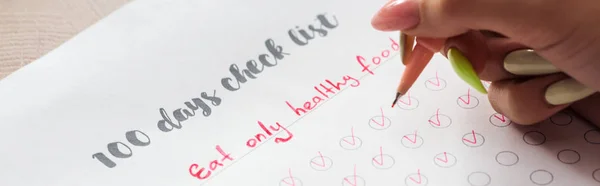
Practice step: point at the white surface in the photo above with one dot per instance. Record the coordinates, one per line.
(114, 77)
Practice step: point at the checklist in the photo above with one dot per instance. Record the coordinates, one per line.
(265, 93)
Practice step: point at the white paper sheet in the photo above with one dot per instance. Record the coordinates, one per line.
(90, 100)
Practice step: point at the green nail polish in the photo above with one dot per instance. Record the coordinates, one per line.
(464, 70)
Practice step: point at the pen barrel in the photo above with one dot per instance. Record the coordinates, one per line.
(418, 60)
(407, 47)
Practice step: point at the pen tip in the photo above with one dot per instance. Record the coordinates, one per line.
(398, 95)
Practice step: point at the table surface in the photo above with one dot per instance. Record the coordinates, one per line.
(31, 28)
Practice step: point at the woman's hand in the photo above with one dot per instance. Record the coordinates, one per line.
(548, 60)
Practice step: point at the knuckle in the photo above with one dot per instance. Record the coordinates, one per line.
(517, 112)
(507, 100)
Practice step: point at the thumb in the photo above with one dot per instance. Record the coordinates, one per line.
(525, 22)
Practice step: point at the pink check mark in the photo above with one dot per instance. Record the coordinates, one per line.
(291, 178)
(468, 101)
(474, 141)
(382, 119)
(353, 138)
(418, 179)
(501, 117)
(412, 140)
(437, 80)
(437, 118)
(380, 162)
(322, 164)
(445, 160)
(353, 183)
(409, 102)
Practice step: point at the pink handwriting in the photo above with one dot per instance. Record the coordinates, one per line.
(203, 173)
(268, 132)
(325, 91)
(377, 59)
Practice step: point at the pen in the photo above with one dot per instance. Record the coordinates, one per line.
(416, 59)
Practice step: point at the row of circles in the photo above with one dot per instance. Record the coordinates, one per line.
(464, 101)
(386, 161)
(537, 138)
(413, 141)
(445, 159)
(443, 121)
(437, 84)
(478, 178)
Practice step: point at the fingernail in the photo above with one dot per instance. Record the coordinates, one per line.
(463, 68)
(567, 91)
(397, 15)
(527, 62)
